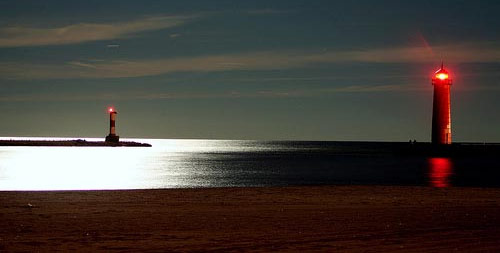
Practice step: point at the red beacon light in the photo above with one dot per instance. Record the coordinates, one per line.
(442, 75)
(110, 110)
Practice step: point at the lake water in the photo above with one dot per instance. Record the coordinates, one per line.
(222, 163)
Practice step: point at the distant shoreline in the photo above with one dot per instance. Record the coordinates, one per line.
(71, 143)
(468, 149)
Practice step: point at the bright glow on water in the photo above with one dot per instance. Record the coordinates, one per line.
(70, 168)
(440, 171)
(169, 163)
(219, 163)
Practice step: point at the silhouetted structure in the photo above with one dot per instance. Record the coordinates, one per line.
(112, 137)
(71, 143)
(441, 111)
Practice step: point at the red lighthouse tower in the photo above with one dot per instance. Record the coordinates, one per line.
(112, 137)
(441, 111)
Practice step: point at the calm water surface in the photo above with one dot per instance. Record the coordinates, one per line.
(220, 163)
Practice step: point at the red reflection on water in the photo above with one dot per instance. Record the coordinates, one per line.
(440, 170)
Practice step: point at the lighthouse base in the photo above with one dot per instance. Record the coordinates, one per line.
(113, 138)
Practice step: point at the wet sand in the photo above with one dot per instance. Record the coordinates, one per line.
(327, 218)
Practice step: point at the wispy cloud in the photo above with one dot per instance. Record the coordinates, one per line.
(58, 97)
(267, 11)
(137, 68)
(245, 61)
(82, 64)
(265, 93)
(126, 95)
(84, 32)
(457, 53)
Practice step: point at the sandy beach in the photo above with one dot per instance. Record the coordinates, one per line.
(323, 218)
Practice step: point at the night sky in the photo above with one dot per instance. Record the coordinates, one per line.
(273, 70)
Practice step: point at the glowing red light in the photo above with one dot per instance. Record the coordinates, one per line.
(440, 172)
(110, 110)
(442, 76)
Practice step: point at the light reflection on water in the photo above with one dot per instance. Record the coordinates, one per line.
(219, 163)
(440, 171)
(169, 163)
(57, 168)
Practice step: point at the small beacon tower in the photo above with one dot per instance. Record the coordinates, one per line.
(441, 108)
(112, 137)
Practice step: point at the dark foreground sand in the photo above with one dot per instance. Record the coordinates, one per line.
(341, 218)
